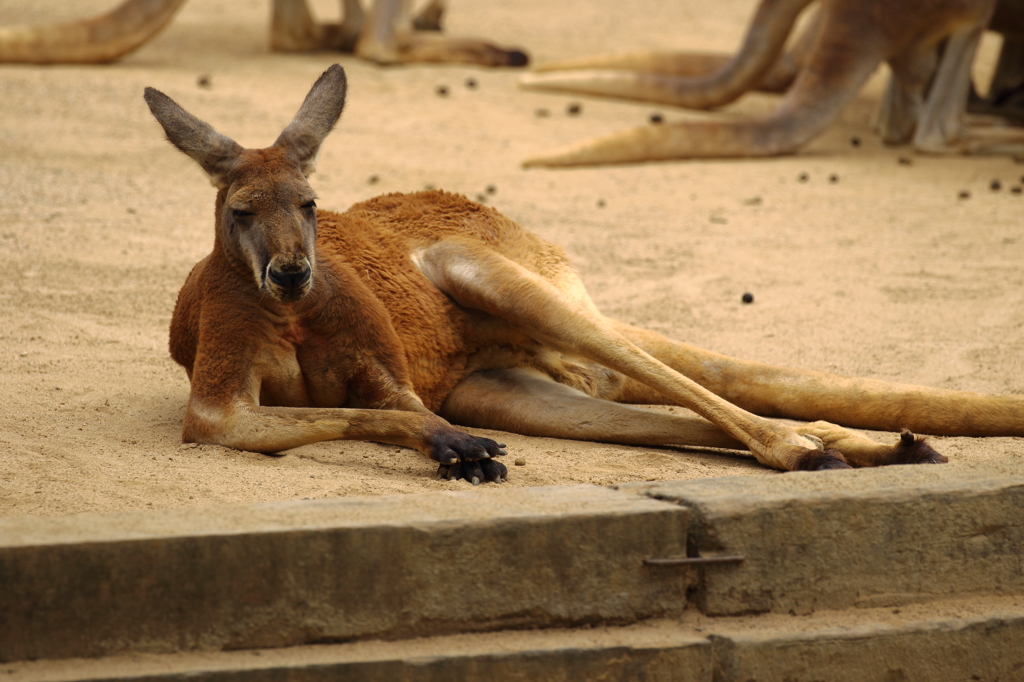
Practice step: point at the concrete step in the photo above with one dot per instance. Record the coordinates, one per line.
(949, 640)
(334, 570)
(288, 574)
(831, 540)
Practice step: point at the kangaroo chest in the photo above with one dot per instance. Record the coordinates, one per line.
(296, 369)
(305, 363)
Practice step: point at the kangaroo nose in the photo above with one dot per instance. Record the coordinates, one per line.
(290, 278)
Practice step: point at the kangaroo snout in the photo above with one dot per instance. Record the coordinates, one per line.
(291, 280)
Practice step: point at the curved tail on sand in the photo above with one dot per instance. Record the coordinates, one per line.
(96, 40)
(656, 77)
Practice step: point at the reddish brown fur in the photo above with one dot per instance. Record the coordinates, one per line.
(440, 340)
(301, 327)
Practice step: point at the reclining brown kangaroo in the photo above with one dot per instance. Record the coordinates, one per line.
(387, 34)
(305, 325)
(929, 45)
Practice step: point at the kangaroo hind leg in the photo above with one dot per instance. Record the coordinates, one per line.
(390, 36)
(523, 400)
(795, 394)
(527, 401)
(556, 312)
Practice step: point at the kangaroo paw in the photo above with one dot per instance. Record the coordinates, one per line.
(476, 472)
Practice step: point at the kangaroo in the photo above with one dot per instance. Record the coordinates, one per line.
(410, 312)
(387, 34)
(929, 45)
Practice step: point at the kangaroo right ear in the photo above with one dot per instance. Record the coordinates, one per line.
(316, 118)
(216, 153)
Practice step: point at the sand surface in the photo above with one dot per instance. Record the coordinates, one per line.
(883, 273)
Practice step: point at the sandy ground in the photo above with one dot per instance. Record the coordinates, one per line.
(884, 273)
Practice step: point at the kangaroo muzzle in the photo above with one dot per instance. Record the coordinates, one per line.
(289, 281)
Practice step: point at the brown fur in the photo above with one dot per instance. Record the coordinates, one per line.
(301, 327)
(929, 44)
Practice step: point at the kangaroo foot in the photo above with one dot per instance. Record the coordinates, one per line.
(914, 450)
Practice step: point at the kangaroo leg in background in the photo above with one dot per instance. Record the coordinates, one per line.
(942, 127)
(654, 77)
(688, 64)
(816, 98)
(905, 93)
(389, 37)
(294, 29)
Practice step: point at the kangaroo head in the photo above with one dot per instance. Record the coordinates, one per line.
(266, 210)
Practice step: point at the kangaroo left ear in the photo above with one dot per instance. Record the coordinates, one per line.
(216, 153)
(316, 118)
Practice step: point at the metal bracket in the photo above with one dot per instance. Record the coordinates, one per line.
(696, 560)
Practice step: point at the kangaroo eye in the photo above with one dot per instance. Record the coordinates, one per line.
(309, 205)
(241, 214)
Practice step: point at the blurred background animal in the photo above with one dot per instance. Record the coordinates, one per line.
(387, 33)
(928, 44)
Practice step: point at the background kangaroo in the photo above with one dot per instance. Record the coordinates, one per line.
(306, 325)
(930, 46)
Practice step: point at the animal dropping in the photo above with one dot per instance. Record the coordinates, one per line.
(409, 314)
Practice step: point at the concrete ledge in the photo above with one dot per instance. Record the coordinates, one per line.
(946, 641)
(974, 640)
(640, 652)
(868, 537)
(402, 567)
(294, 573)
